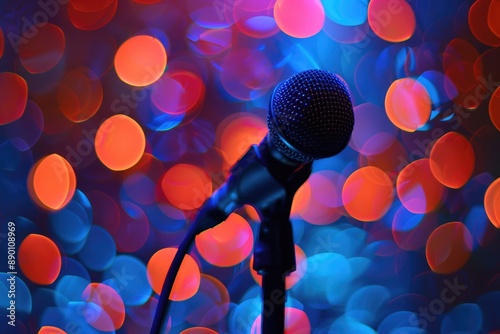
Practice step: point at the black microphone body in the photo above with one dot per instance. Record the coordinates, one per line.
(310, 117)
(257, 179)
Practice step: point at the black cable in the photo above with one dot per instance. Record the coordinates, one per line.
(164, 301)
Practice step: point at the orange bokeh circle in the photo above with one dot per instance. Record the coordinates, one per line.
(186, 186)
(448, 248)
(39, 259)
(140, 60)
(393, 21)
(452, 160)
(407, 104)
(14, 97)
(368, 193)
(492, 203)
(120, 142)
(110, 302)
(188, 278)
(417, 188)
(228, 243)
(52, 182)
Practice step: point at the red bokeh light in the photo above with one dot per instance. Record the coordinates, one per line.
(39, 259)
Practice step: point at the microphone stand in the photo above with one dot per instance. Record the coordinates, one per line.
(262, 179)
(269, 186)
(274, 252)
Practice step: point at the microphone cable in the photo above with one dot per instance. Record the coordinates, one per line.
(164, 301)
(206, 218)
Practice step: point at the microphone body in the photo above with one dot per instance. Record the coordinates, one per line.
(310, 117)
(259, 178)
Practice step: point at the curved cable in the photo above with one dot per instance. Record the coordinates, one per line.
(164, 301)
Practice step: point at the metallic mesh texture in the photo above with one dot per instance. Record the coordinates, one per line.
(310, 116)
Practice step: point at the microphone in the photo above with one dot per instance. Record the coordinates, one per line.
(310, 117)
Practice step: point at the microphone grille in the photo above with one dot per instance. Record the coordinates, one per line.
(310, 116)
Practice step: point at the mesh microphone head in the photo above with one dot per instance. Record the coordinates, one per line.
(310, 116)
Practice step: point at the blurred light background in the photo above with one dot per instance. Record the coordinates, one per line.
(118, 118)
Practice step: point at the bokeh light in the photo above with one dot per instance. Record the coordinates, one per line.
(494, 107)
(247, 74)
(106, 311)
(137, 291)
(389, 160)
(319, 200)
(411, 230)
(299, 18)
(2, 42)
(179, 93)
(466, 317)
(494, 25)
(492, 202)
(209, 42)
(407, 104)
(92, 15)
(186, 186)
(99, 250)
(373, 132)
(90, 6)
(417, 188)
(210, 304)
(52, 182)
(368, 193)
(367, 303)
(346, 13)
(478, 22)
(139, 189)
(198, 330)
(393, 21)
(237, 133)
(133, 229)
(120, 142)
(50, 330)
(228, 243)
(209, 14)
(146, 2)
(140, 60)
(79, 94)
(14, 96)
(187, 280)
(70, 288)
(23, 298)
(448, 248)
(398, 321)
(347, 324)
(39, 259)
(25, 132)
(71, 225)
(458, 63)
(452, 160)
(440, 88)
(255, 18)
(44, 50)
(327, 280)
(296, 321)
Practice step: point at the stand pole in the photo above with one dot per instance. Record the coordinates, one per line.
(273, 306)
(274, 253)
